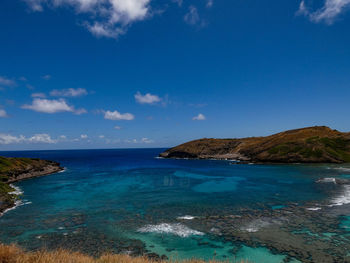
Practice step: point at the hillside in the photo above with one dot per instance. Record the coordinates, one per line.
(15, 169)
(14, 254)
(318, 144)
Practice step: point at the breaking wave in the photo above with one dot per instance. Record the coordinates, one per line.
(343, 198)
(186, 217)
(17, 191)
(313, 208)
(175, 229)
(327, 180)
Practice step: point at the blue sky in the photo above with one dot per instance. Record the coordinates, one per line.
(147, 73)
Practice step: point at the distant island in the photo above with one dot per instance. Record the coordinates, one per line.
(16, 169)
(318, 144)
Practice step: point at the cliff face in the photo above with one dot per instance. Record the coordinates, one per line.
(317, 144)
(15, 169)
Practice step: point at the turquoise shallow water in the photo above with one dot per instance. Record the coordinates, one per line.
(114, 200)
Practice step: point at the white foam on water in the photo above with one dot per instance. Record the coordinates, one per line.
(175, 229)
(258, 224)
(186, 217)
(327, 180)
(17, 191)
(17, 204)
(344, 169)
(62, 171)
(343, 198)
(313, 208)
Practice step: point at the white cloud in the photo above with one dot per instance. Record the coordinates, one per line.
(69, 92)
(10, 139)
(143, 140)
(117, 127)
(199, 117)
(7, 82)
(328, 13)
(146, 140)
(36, 138)
(179, 2)
(192, 17)
(62, 137)
(38, 95)
(80, 111)
(117, 116)
(302, 9)
(46, 77)
(3, 113)
(83, 136)
(209, 3)
(41, 138)
(147, 98)
(101, 136)
(52, 106)
(107, 18)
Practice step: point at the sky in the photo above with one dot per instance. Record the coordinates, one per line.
(83, 74)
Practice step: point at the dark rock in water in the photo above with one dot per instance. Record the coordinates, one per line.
(164, 257)
(155, 257)
(293, 231)
(317, 144)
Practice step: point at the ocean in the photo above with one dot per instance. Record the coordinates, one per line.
(130, 201)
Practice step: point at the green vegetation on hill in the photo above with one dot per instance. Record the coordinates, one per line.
(317, 144)
(15, 169)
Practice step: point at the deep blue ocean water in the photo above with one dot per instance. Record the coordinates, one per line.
(109, 196)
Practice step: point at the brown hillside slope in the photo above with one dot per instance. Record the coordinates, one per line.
(13, 254)
(318, 144)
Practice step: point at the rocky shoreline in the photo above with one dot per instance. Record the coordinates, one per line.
(317, 144)
(18, 169)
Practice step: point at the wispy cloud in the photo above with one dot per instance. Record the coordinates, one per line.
(46, 77)
(199, 117)
(192, 17)
(83, 136)
(36, 138)
(178, 2)
(148, 98)
(117, 127)
(328, 13)
(10, 139)
(69, 92)
(140, 141)
(38, 95)
(117, 116)
(107, 18)
(3, 113)
(52, 106)
(6, 82)
(209, 3)
(41, 138)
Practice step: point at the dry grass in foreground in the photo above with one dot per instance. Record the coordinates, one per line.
(13, 254)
